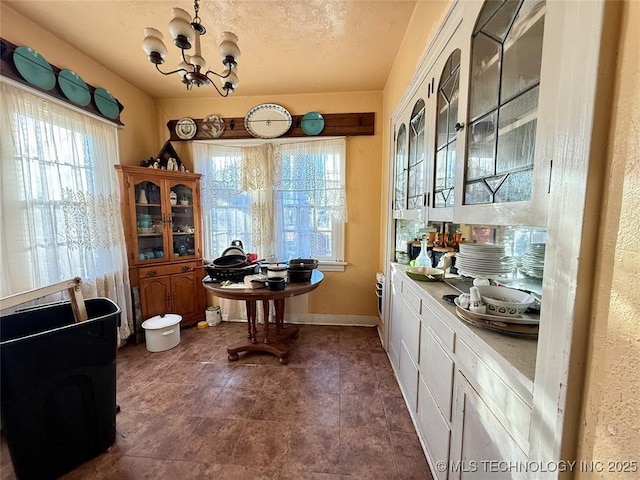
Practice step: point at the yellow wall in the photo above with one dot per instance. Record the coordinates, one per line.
(350, 292)
(610, 417)
(137, 139)
(424, 24)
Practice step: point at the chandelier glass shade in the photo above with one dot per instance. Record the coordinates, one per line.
(186, 33)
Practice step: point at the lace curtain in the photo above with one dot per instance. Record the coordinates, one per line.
(295, 167)
(60, 208)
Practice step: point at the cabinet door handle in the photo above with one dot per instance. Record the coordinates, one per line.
(186, 268)
(168, 299)
(459, 126)
(152, 273)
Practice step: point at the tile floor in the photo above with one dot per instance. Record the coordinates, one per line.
(334, 412)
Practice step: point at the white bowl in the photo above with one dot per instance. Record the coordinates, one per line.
(504, 300)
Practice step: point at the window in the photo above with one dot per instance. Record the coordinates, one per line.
(60, 196)
(283, 199)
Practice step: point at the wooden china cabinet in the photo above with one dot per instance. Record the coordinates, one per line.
(163, 230)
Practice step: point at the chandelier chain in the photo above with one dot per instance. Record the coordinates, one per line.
(196, 7)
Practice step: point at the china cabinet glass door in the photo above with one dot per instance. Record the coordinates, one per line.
(150, 221)
(416, 186)
(446, 133)
(183, 228)
(506, 58)
(401, 164)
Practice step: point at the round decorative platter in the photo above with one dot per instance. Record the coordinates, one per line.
(312, 123)
(74, 87)
(267, 120)
(186, 128)
(106, 103)
(212, 126)
(34, 68)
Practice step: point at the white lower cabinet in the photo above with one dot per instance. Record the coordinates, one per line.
(481, 446)
(435, 430)
(395, 322)
(408, 378)
(472, 413)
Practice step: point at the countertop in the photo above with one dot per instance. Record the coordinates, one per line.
(516, 356)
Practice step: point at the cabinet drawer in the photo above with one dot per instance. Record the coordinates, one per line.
(411, 298)
(512, 411)
(436, 370)
(156, 271)
(434, 428)
(408, 377)
(444, 334)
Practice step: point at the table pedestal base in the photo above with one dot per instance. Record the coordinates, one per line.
(276, 345)
(266, 340)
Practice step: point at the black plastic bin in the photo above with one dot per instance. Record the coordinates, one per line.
(58, 381)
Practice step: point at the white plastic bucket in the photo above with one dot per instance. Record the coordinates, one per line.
(162, 333)
(213, 316)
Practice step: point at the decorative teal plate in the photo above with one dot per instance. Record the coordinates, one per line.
(312, 123)
(74, 87)
(34, 68)
(106, 103)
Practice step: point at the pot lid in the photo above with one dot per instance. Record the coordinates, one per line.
(154, 323)
(276, 267)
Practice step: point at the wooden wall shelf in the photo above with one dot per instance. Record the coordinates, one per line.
(335, 124)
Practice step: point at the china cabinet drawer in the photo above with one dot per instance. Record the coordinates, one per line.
(159, 270)
(411, 298)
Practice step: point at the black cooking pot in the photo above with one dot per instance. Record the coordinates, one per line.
(230, 261)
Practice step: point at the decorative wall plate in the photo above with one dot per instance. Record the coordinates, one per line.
(186, 128)
(267, 121)
(312, 123)
(212, 126)
(106, 103)
(74, 87)
(34, 68)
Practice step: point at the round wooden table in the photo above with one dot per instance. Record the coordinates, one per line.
(266, 339)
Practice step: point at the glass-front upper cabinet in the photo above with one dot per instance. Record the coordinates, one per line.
(183, 224)
(446, 136)
(161, 215)
(416, 167)
(504, 83)
(401, 165)
(409, 171)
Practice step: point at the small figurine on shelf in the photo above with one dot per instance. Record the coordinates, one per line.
(173, 198)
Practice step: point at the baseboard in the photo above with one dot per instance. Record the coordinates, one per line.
(323, 319)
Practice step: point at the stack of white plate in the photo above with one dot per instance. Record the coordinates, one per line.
(533, 260)
(483, 260)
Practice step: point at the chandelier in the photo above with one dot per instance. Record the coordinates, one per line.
(186, 32)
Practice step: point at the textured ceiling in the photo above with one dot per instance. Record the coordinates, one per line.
(288, 46)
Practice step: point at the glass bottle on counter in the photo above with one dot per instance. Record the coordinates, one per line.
(423, 259)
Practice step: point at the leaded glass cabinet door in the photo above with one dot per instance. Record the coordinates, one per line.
(504, 88)
(401, 170)
(415, 180)
(445, 143)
